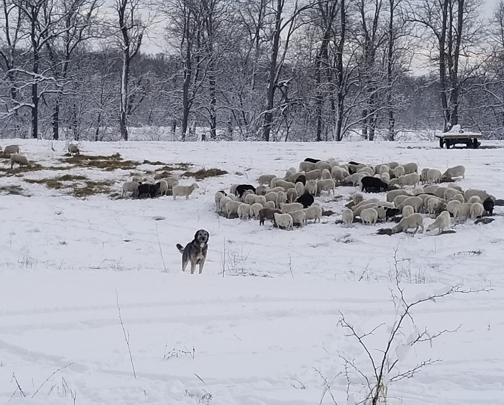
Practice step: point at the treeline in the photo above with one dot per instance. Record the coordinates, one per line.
(250, 69)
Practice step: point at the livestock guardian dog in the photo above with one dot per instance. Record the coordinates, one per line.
(195, 251)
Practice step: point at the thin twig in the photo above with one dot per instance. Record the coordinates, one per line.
(126, 335)
(47, 379)
(160, 249)
(18, 387)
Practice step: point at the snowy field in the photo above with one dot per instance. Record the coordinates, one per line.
(261, 325)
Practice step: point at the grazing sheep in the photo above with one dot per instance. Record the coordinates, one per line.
(260, 199)
(369, 216)
(254, 210)
(286, 208)
(311, 187)
(431, 189)
(357, 198)
(268, 213)
(474, 199)
(21, 160)
(224, 200)
(274, 181)
(284, 221)
(298, 217)
(382, 169)
(262, 190)
(423, 175)
(271, 196)
(354, 167)
(367, 170)
(441, 222)
(391, 195)
(171, 181)
(306, 166)
(312, 160)
(373, 185)
(282, 198)
(482, 194)
(249, 198)
(477, 210)
(289, 172)
(305, 199)
(365, 202)
(439, 193)
(326, 185)
(450, 207)
(323, 166)
(300, 179)
(286, 185)
(410, 168)
(265, 179)
(411, 221)
(410, 179)
(218, 196)
(9, 150)
(455, 171)
(462, 211)
(385, 177)
(270, 204)
(407, 211)
(450, 193)
(314, 212)
(347, 216)
(313, 175)
(326, 174)
(147, 190)
(244, 211)
(241, 188)
(163, 187)
(300, 188)
(433, 176)
(291, 195)
(149, 180)
(455, 186)
(130, 187)
(415, 202)
(232, 208)
(398, 171)
(357, 212)
(432, 205)
(489, 204)
(186, 191)
(73, 149)
(392, 165)
(399, 199)
(337, 173)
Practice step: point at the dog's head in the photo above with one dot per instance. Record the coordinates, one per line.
(201, 236)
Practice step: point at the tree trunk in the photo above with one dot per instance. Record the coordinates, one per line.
(123, 118)
(340, 77)
(34, 95)
(213, 102)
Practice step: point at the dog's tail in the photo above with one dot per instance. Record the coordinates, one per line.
(180, 247)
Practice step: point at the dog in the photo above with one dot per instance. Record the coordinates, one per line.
(195, 251)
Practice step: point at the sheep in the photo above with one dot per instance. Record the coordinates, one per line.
(298, 217)
(260, 199)
(282, 198)
(357, 198)
(21, 160)
(354, 167)
(398, 171)
(367, 170)
(417, 191)
(73, 149)
(300, 188)
(222, 203)
(372, 184)
(415, 202)
(181, 191)
(431, 189)
(337, 173)
(407, 211)
(270, 204)
(286, 185)
(462, 211)
(249, 198)
(365, 202)
(357, 212)
(314, 175)
(137, 179)
(441, 222)
(232, 208)
(326, 174)
(432, 205)
(312, 160)
(265, 179)
(254, 210)
(433, 176)
(9, 150)
(480, 193)
(268, 213)
(289, 172)
(394, 193)
(382, 169)
(439, 193)
(241, 188)
(456, 187)
(314, 212)
(423, 175)
(284, 221)
(458, 197)
(321, 165)
(326, 185)
(411, 221)
(130, 187)
(489, 204)
(305, 199)
(171, 181)
(410, 168)
(385, 177)
(477, 210)
(306, 166)
(347, 216)
(217, 198)
(300, 179)
(410, 179)
(286, 208)
(244, 211)
(369, 216)
(474, 199)
(147, 190)
(399, 199)
(455, 171)
(149, 180)
(163, 187)
(262, 190)
(311, 187)
(271, 196)
(291, 195)
(450, 193)
(450, 207)
(274, 181)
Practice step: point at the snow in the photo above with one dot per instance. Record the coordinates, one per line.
(264, 330)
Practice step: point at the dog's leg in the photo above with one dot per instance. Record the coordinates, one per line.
(193, 266)
(184, 265)
(201, 264)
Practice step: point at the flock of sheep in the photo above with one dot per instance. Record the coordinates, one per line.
(148, 187)
(13, 152)
(290, 200)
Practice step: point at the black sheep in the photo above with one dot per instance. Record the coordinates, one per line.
(373, 185)
(489, 204)
(306, 199)
(240, 189)
(392, 212)
(147, 190)
(312, 160)
(301, 178)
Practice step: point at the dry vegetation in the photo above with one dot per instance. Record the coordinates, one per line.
(75, 185)
(205, 173)
(107, 163)
(14, 190)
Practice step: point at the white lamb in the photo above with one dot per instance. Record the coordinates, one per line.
(298, 217)
(415, 202)
(163, 187)
(315, 212)
(410, 168)
(313, 174)
(455, 171)
(326, 174)
(337, 173)
(232, 208)
(306, 166)
(249, 198)
(391, 195)
(21, 160)
(398, 171)
(323, 165)
(450, 193)
(441, 223)
(369, 216)
(255, 208)
(450, 207)
(223, 201)
(284, 221)
(410, 179)
(184, 190)
(130, 187)
(462, 211)
(285, 184)
(286, 208)
(477, 210)
(347, 216)
(474, 199)
(300, 188)
(244, 211)
(291, 195)
(265, 179)
(480, 193)
(10, 150)
(270, 204)
(311, 187)
(412, 221)
(407, 211)
(326, 185)
(433, 176)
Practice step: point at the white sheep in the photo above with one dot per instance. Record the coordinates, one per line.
(365, 202)
(326, 174)
(347, 216)
(149, 180)
(294, 176)
(423, 174)
(458, 197)
(433, 176)
(300, 188)
(410, 179)
(450, 193)
(314, 212)
(217, 198)
(284, 221)
(273, 182)
(480, 193)
(412, 221)
(313, 174)
(163, 187)
(382, 169)
(289, 172)
(431, 189)
(232, 208)
(357, 198)
(326, 185)
(306, 166)
(433, 204)
(441, 223)
(223, 201)
(265, 179)
(462, 211)
(10, 150)
(270, 204)
(369, 216)
(398, 171)
(392, 194)
(244, 211)
(255, 208)
(407, 211)
(298, 217)
(357, 212)
(291, 195)
(282, 198)
(410, 168)
(276, 189)
(260, 199)
(455, 186)
(385, 177)
(130, 187)
(286, 208)
(399, 199)
(323, 165)
(455, 171)
(417, 191)
(337, 173)
(477, 210)
(450, 207)
(73, 149)
(474, 199)
(184, 190)
(286, 185)
(415, 201)
(311, 187)
(392, 165)
(21, 160)
(172, 181)
(262, 190)
(249, 198)
(367, 170)
(439, 193)
(271, 196)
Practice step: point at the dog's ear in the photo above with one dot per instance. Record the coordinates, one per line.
(196, 235)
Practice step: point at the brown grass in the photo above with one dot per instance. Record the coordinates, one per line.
(107, 163)
(14, 190)
(205, 173)
(75, 185)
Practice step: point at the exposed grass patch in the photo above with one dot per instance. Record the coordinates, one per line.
(205, 173)
(107, 163)
(75, 185)
(14, 190)
(92, 188)
(155, 163)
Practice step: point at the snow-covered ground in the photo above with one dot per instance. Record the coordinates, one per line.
(260, 326)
